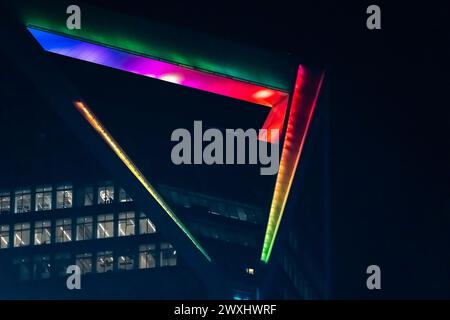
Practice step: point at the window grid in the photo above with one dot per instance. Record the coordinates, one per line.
(64, 196)
(126, 224)
(105, 226)
(22, 201)
(42, 232)
(43, 198)
(21, 234)
(63, 230)
(5, 202)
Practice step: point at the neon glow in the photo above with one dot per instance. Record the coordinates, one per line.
(166, 71)
(306, 91)
(112, 143)
(305, 94)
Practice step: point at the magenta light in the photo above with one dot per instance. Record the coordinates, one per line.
(166, 71)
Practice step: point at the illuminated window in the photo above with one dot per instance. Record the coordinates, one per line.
(42, 232)
(64, 195)
(22, 201)
(125, 262)
(41, 267)
(88, 196)
(147, 256)
(105, 226)
(126, 224)
(5, 202)
(43, 198)
(250, 271)
(145, 225)
(63, 230)
(106, 193)
(84, 228)
(105, 261)
(4, 237)
(84, 262)
(168, 255)
(123, 196)
(21, 234)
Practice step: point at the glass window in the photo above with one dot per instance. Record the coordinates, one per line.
(22, 268)
(43, 198)
(147, 256)
(105, 261)
(126, 224)
(41, 267)
(84, 228)
(21, 234)
(4, 237)
(63, 230)
(23, 201)
(106, 193)
(62, 262)
(125, 262)
(5, 202)
(105, 226)
(84, 261)
(242, 214)
(168, 255)
(42, 232)
(145, 225)
(123, 196)
(64, 195)
(86, 196)
(250, 271)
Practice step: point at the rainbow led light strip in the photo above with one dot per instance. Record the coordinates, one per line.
(306, 91)
(97, 125)
(304, 98)
(167, 71)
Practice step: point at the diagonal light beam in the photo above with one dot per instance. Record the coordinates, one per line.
(112, 143)
(306, 91)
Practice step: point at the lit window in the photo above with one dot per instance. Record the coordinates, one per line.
(4, 237)
(145, 225)
(23, 201)
(168, 255)
(5, 202)
(63, 230)
(42, 232)
(41, 269)
(126, 224)
(105, 261)
(250, 271)
(147, 256)
(105, 226)
(125, 262)
(106, 193)
(21, 234)
(88, 196)
(84, 262)
(43, 198)
(84, 228)
(64, 195)
(123, 196)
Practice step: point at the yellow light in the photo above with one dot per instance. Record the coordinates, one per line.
(97, 125)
